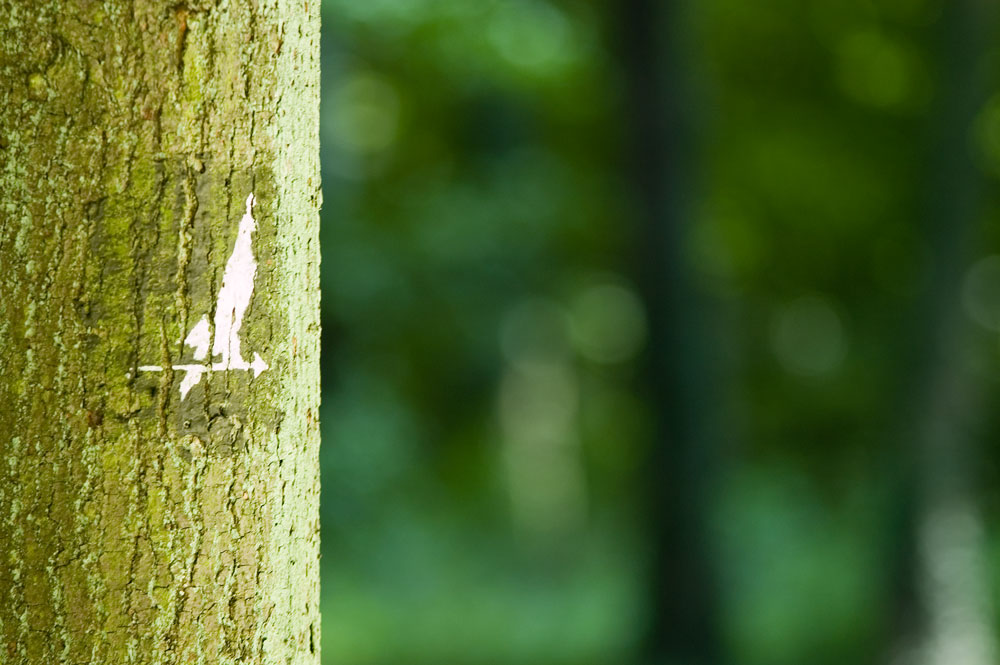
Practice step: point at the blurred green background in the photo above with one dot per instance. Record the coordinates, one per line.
(660, 332)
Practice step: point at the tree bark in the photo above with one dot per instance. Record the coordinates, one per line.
(159, 331)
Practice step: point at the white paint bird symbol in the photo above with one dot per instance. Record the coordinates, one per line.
(230, 306)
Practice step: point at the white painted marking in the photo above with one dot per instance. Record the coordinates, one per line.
(258, 365)
(200, 338)
(237, 287)
(191, 378)
(230, 306)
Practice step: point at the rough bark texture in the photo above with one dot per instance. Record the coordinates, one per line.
(137, 526)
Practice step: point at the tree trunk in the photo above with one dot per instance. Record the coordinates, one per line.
(159, 331)
(943, 610)
(683, 622)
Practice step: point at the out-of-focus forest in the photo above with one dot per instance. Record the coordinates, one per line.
(661, 332)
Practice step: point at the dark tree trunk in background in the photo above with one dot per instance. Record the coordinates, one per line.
(942, 590)
(682, 614)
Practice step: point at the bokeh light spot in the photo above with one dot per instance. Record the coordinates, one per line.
(807, 337)
(987, 132)
(607, 323)
(878, 71)
(981, 292)
(726, 247)
(363, 114)
(534, 331)
(534, 36)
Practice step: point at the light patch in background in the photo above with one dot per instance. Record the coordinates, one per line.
(955, 586)
(607, 323)
(379, 12)
(538, 404)
(534, 331)
(981, 292)
(879, 71)
(377, 439)
(987, 134)
(362, 114)
(808, 337)
(531, 35)
(785, 546)
(725, 247)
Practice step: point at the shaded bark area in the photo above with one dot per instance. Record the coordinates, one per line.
(683, 614)
(137, 525)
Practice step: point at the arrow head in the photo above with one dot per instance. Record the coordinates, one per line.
(258, 365)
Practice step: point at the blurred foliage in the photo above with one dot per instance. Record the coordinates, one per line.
(484, 416)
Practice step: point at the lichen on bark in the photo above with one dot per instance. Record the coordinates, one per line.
(136, 526)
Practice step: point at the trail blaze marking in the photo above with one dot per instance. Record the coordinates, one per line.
(234, 297)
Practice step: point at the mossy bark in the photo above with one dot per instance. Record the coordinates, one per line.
(137, 525)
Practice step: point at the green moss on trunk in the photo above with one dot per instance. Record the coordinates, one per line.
(136, 526)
